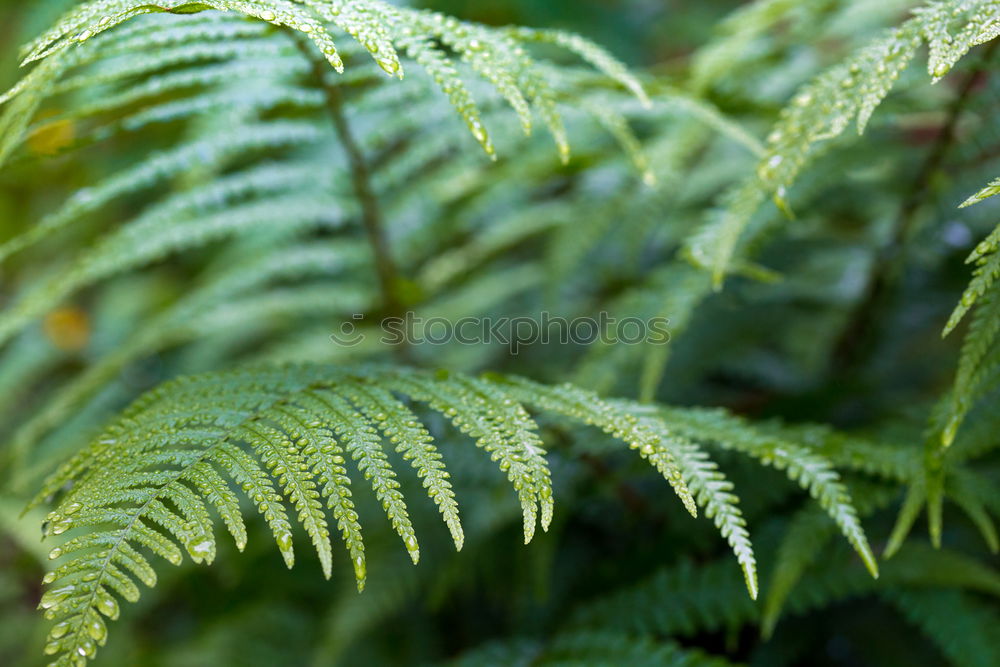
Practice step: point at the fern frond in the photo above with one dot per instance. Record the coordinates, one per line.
(704, 599)
(91, 19)
(286, 431)
(811, 471)
(581, 405)
(590, 52)
(242, 186)
(976, 509)
(240, 297)
(514, 651)
(200, 56)
(712, 491)
(192, 224)
(824, 108)
(978, 21)
(913, 502)
(497, 55)
(956, 622)
(991, 190)
(212, 151)
(737, 32)
(887, 461)
(987, 260)
(978, 360)
(707, 597)
(597, 648)
(608, 649)
(807, 536)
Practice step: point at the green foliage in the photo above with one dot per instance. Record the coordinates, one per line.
(282, 432)
(287, 432)
(591, 648)
(202, 192)
(824, 108)
(976, 365)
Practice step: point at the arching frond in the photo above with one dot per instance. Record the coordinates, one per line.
(980, 356)
(824, 108)
(498, 56)
(251, 182)
(811, 471)
(287, 433)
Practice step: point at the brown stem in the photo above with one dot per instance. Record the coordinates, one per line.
(371, 212)
(885, 271)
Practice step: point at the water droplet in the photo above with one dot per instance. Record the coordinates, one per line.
(390, 66)
(267, 15)
(87, 649)
(107, 605)
(97, 630)
(60, 527)
(55, 553)
(200, 549)
(53, 598)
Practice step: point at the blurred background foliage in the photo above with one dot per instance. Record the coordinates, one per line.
(621, 551)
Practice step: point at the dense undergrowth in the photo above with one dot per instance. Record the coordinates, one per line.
(210, 211)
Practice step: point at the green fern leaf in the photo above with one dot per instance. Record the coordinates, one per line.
(991, 190)
(711, 490)
(823, 109)
(955, 621)
(498, 56)
(810, 470)
(979, 358)
(287, 430)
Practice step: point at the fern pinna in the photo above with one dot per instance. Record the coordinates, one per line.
(282, 165)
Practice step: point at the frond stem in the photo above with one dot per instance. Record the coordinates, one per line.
(371, 211)
(885, 271)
